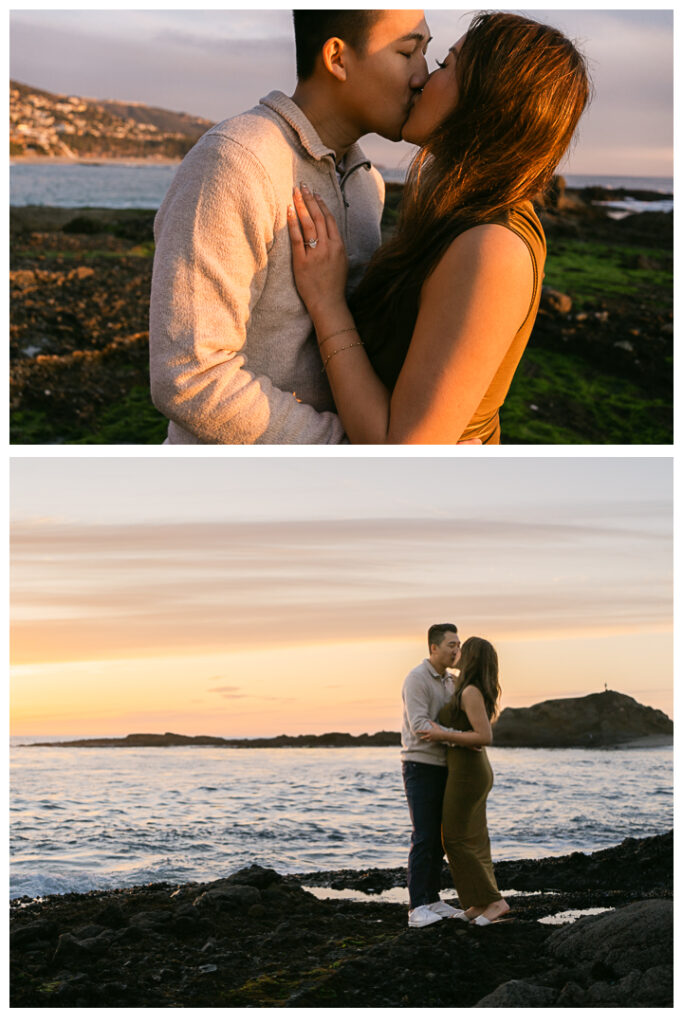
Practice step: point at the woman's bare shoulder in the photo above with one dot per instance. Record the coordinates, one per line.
(493, 243)
(471, 693)
(485, 256)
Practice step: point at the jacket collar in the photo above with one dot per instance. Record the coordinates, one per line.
(308, 136)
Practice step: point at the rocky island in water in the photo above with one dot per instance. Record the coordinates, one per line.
(606, 719)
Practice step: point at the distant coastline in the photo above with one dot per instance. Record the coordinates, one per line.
(95, 161)
(164, 740)
(604, 719)
(171, 739)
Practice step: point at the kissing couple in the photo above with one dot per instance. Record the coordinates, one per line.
(447, 777)
(276, 315)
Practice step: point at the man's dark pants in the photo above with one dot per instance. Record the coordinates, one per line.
(424, 786)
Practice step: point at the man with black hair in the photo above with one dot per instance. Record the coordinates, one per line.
(425, 691)
(233, 358)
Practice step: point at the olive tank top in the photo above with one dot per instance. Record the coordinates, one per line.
(452, 715)
(388, 359)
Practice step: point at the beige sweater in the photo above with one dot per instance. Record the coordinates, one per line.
(424, 694)
(233, 359)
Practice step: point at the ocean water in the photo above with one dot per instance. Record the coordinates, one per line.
(117, 186)
(143, 186)
(651, 184)
(83, 819)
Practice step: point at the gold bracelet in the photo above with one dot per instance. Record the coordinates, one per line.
(337, 351)
(345, 331)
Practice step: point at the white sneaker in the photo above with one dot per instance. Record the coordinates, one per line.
(446, 910)
(420, 917)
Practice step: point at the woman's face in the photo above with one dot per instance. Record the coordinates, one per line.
(436, 101)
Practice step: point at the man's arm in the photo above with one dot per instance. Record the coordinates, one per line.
(214, 234)
(416, 700)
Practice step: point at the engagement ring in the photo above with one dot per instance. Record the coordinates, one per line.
(312, 242)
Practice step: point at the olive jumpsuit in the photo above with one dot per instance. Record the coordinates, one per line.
(464, 831)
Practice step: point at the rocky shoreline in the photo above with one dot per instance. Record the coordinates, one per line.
(598, 369)
(259, 939)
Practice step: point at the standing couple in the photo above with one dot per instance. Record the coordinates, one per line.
(276, 316)
(447, 777)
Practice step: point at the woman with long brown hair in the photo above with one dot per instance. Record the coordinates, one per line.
(426, 350)
(466, 727)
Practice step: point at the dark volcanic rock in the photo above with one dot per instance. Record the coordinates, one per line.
(445, 965)
(520, 993)
(640, 866)
(256, 876)
(73, 950)
(600, 719)
(633, 938)
(649, 229)
(225, 894)
(277, 945)
(619, 958)
(637, 865)
(155, 921)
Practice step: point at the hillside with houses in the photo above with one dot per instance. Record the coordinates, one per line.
(45, 124)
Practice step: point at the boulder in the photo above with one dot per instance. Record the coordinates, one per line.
(633, 938)
(257, 876)
(29, 934)
(649, 988)
(88, 931)
(225, 895)
(70, 949)
(553, 301)
(154, 920)
(520, 993)
(621, 958)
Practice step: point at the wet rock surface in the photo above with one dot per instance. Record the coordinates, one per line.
(642, 867)
(258, 939)
(79, 301)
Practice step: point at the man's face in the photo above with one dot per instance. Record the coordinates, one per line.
(383, 82)
(447, 653)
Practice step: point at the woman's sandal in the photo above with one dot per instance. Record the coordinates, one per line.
(482, 921)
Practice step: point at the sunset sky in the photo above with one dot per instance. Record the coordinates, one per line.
(215, 63)
(253, 596)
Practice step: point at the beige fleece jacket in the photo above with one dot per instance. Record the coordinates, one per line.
(233, 358)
